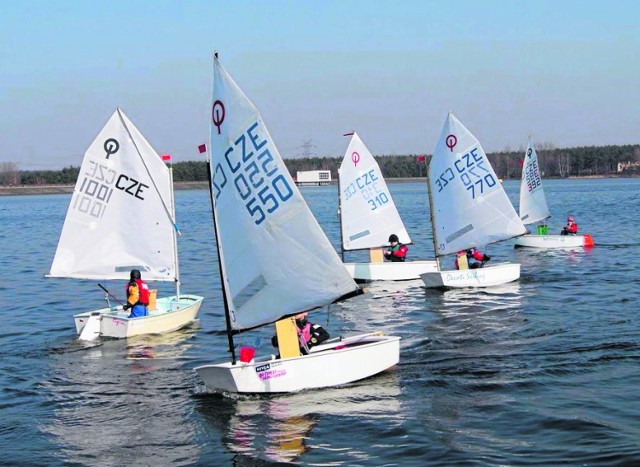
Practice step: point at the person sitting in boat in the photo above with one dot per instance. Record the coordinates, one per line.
(475, 254)
(137, 295)
(571, 228)
(396, 251)
(309, 334)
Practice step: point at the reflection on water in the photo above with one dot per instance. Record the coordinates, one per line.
(161, 346)
(475, 320)
(107, 396)
(280, 428)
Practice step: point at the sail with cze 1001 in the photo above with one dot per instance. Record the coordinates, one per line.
(120, 214)
(469, 208)
(121, 217)
(368, 216)
(275, 260)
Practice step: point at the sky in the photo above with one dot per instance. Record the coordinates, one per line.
(564, 72)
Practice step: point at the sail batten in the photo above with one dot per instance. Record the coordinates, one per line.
(119, 217)
(469, 206)
(367, 212)
(275, 258)
(533, 203)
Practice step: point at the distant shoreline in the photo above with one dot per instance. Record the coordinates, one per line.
(66, 189)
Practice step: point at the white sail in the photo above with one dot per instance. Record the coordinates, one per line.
(368, 213)
(470, 207)
(276, 260)
(120, 215)
(533, 204)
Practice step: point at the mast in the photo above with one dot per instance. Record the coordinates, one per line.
(175, 232)
(433, 224)
(340, 217)
(227, 315)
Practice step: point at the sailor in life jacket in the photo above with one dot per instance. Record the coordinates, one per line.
(571, 228)
(396, 251)
(137, 295)
(473, 253)
(309, 334)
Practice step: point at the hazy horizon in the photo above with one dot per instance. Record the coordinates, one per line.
(561, 72)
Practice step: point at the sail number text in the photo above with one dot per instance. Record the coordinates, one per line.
(532, 176)
(255, 175)
(97, 187)
(367, 185)
(471, 171)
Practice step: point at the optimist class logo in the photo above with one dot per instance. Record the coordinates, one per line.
(111, 146)
(217, 114)
(451, 142)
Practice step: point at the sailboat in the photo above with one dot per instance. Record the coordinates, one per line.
(122, 217)
(275, 261)
(469, 208)
(368, 216)
(533, 208)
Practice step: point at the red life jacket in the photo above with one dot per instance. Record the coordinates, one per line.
(143, 289)
(572, 227)
(399, 251)
(477, 255)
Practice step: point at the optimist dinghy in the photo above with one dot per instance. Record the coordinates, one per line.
(469, 208)
(275, 261)
(122, 217)
(534, 208)
(368, 216)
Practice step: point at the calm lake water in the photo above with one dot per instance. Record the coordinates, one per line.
(545, 370)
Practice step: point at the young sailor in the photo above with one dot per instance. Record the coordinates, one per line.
(571, 228)
(137, 295)
(396, 251)
(309, 334)
(473, 253)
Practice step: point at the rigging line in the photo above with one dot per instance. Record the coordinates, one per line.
(164, 205)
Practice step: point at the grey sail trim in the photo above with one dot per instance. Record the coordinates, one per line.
(459, 233)
(252, 289)
(364, 233)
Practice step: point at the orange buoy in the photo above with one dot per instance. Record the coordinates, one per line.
(588, 241)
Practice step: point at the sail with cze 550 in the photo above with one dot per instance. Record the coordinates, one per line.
(275, 261)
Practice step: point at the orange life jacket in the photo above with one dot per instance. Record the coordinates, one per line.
(137, 292)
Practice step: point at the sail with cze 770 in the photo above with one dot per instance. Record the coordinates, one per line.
(469, 209)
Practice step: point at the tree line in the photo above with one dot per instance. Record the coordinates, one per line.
(553, 162)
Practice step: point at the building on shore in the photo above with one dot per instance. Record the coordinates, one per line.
(628, 166)
(313, 178)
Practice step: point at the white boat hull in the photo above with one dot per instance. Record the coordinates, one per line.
(348, 360)
(171, 314)
(390, 271)
(481, 277)
(554, 241)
